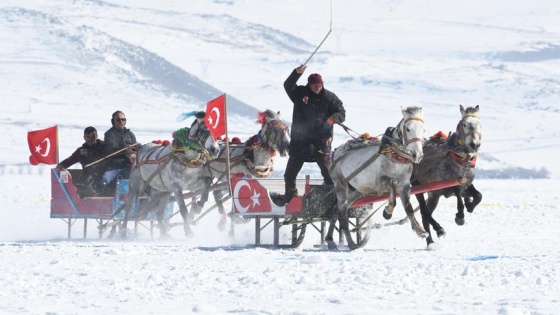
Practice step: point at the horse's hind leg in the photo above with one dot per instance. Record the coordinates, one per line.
(332, 222)
(392, 202)
(472, 198)
(163, 200)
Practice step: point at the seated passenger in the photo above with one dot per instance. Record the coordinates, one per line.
(118, 139)
(91, 151)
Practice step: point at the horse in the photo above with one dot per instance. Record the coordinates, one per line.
(255, 156)
(383, 168)
(449, 158)
(173, 169)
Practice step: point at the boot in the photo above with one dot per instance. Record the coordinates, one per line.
(290, 193)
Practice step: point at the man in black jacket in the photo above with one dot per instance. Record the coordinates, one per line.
(118, 138)
(91, 151)
(315, 111)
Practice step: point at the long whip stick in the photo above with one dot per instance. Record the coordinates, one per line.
(320, 44)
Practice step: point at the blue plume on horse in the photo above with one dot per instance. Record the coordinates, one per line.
(186, 115)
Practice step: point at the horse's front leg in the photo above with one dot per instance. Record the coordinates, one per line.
(405, 199)
(426, 217)
(472, 198)
(218, 195)
(332, 223)
(460, 215)
(178, 193)
(392, 201)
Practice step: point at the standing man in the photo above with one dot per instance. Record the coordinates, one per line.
(315, 111)
(91, 151)
(118, 138)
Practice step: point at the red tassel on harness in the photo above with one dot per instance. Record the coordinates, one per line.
(261, 118)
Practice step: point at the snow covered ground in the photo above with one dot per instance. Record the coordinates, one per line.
(74, 63)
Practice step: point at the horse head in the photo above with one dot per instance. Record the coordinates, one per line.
(205, 140)
(275, 134)
(411, 129)
(469, 129)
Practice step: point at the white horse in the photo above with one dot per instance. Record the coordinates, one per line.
(173, 169)
(255, 157)
(378, 170)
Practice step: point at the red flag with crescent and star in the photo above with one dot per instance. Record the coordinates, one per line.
(215, 117)
(43, 145)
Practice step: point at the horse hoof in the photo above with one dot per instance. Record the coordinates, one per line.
(460, 221)
(423, 234)
(432, 246)
(440, 233)
(386, 215)
(331, 246)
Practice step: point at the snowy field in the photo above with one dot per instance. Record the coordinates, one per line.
(504, 260)
(73, 63)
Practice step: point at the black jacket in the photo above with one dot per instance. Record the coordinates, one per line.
(87, 154)
(310, 134)
(116, 139)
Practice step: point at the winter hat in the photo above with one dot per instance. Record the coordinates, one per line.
(89, 130)
(314, 78)
(200, 114)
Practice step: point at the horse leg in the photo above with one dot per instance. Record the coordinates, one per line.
(426, 217)
(392, 202)
(472, 198)
(405, 199)
(332, 222)
(178, 193)
(163, 200)
(460, 216)
(218, 195)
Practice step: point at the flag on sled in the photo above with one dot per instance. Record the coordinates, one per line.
(43, 145)
(215, 117)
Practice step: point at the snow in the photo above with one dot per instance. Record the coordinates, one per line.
(74, 63)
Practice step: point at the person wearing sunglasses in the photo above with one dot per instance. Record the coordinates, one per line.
(118, 139)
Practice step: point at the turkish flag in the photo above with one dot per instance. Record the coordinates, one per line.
(43, 145)
(215, 117)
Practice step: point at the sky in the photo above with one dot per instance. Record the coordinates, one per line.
(72, 64)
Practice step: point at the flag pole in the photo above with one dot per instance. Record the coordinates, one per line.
(57, 142)
(227, 147)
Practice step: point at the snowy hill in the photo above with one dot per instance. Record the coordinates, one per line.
(74, 63)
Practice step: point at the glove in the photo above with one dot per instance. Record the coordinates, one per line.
(328, 124)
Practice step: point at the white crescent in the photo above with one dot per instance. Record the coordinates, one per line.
(48, 147)
(215, 109)
(240, 184)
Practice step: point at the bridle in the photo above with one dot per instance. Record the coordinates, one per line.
(402, 131)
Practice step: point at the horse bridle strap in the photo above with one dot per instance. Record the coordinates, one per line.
(407, 141)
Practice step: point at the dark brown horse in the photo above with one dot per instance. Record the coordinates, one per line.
(452, 158)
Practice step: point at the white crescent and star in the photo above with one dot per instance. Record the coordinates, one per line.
(255, 197)
(215, 122)
(38, 147)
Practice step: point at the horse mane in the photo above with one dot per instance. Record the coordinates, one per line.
(271, 115)
(414, 110)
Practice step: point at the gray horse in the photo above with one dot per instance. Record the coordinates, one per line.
(452, 158)
(255, 157)
(378, 170)
(173, 169)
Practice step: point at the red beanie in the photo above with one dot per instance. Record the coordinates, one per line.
(314, 78)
